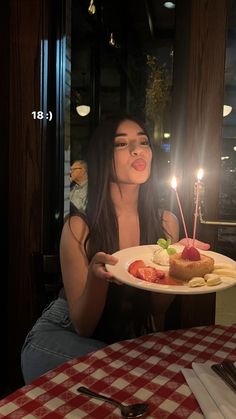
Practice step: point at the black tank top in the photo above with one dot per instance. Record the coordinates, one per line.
(126, 314)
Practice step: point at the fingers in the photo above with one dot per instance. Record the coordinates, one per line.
(202, 245)
(104, 258)
(183, 242)
(197, 243)
(101, 273)
(114, 281)
(97, 265)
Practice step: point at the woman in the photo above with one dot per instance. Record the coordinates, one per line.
(122, 211)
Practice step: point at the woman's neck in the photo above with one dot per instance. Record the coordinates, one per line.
(124, 197)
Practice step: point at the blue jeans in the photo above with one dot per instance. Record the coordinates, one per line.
(53, 341)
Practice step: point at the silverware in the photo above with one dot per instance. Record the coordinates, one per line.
(128, 411)
(230, 369)
(222, 373)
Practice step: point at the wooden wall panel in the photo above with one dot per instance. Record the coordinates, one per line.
(25, 193)
(4, 168)
(36, 161)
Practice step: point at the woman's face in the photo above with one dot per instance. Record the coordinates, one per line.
(132, 154)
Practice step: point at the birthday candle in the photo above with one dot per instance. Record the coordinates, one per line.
(199, 177)
(174, 186)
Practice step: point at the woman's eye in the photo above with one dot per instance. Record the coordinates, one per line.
(120, 144)
(145, 142)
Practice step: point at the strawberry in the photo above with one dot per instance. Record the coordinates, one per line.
(160, 274)
(147, 274)
(133, 267)
(190, 253)
(150, 274)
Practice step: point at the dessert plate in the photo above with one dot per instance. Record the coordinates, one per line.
(129, 255)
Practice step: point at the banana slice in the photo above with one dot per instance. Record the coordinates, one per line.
(212, 279)
(223, 266)
(211, 282)
(211, 276)
(225, 272)
(196, 281)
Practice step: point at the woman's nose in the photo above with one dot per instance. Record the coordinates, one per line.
(135, 149)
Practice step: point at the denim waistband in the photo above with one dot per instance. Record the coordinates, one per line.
(62, 294)
(57, 312)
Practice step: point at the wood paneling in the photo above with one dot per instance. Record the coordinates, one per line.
(25, 191)
(4, 168)
(36, 159)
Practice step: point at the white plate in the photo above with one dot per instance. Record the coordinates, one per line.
(126, 256)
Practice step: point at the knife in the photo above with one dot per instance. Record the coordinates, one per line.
(223, 374)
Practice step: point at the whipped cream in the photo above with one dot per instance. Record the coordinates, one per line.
(161, 257)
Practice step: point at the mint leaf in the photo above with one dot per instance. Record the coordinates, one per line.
(171, 251)
(168, 242)
(162, 243)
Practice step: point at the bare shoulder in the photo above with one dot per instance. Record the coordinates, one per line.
(168, 216)
(171, 225)
(75, 230)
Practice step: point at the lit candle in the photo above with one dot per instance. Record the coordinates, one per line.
(199, 177)
(174, 186)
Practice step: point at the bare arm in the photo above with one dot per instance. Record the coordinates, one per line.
(85, 284)
(171, 226)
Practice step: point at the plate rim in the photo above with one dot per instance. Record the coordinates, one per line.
(167, 289)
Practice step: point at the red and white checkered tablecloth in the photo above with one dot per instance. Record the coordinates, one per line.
(144, 369)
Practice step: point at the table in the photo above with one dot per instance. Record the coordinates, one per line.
(142, 369)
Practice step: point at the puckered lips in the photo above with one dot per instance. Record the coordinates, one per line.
(139, 164)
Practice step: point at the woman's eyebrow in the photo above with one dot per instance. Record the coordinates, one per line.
(142, 133)
(120, 135)
(123, 134)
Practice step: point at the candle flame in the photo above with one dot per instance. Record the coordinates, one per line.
(200, 174)
(174, 183)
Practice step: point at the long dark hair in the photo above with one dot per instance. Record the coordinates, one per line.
(100, 214)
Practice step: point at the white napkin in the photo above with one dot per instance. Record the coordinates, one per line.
(215, 398)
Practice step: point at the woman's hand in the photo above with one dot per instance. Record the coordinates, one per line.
(97, 265)
(197, 243)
